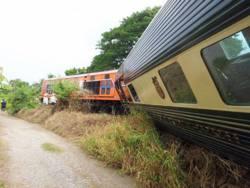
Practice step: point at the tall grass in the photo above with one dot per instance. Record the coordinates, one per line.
(133, 145)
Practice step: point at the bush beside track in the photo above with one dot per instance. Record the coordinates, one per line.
(131, 143)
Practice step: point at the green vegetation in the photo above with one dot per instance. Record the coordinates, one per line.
(75, 71)
(4, 87)
(22, 96)
(116, 44)
(64, 89)
(52, 148)
(19, 94)
(133, 145)
(2, 184)
(51, 75)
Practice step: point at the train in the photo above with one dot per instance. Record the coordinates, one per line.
(190, 71)
(96, 89)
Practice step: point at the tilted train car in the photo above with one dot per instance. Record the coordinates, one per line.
(190, 71)
(97, 88)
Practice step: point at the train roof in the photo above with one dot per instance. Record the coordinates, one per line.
(178, 26)
(82, 75)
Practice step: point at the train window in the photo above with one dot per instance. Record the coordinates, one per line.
(133, 93)
(229, 64)
(103, 90)
(93, 87)
(106, 76)
(108, 86)
(49, 89)
(108, 91)
(103, 87)
(176, 84)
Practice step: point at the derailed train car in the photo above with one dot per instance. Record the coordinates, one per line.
(98, 89)
(190, 71)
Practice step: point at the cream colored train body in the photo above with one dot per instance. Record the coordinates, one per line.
(197, 75)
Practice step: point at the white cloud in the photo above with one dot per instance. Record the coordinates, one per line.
(49, 36)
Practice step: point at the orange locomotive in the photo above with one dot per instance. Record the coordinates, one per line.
(97, 88)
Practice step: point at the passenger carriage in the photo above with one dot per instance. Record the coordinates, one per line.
(190, 71)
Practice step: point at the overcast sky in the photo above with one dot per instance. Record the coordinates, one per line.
(50, 36)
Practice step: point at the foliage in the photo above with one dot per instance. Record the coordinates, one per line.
(64, 89)
(4, 87)
(116, 44)
(22, 96)
(133, 145)
(75, 71)
(51, 75)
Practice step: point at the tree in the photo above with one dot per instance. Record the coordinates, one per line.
(22, 96)
(75, 71)
(116, 44)
(51, 75)
(4, 87)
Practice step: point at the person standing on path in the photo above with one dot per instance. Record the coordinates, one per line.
(3, 105)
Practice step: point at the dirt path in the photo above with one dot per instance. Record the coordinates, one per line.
(29, 165)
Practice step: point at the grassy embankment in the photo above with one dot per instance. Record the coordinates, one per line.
(133, 145)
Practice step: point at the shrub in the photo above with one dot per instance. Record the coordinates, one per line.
(64, 89)
(22, 96)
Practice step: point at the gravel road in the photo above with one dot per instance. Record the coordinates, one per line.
(29, 165)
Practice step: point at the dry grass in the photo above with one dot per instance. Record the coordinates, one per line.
(74, 125)
(52, 148)
(205, 169)
(38, 115)
(133, 145)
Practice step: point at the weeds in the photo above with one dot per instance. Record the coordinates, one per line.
(133, 145)
(2, 184)
(51, 148)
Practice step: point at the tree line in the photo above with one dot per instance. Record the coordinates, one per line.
(116, 43)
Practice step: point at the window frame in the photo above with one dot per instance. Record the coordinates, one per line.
(223, 99)
(170, 94)
(136, 98)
